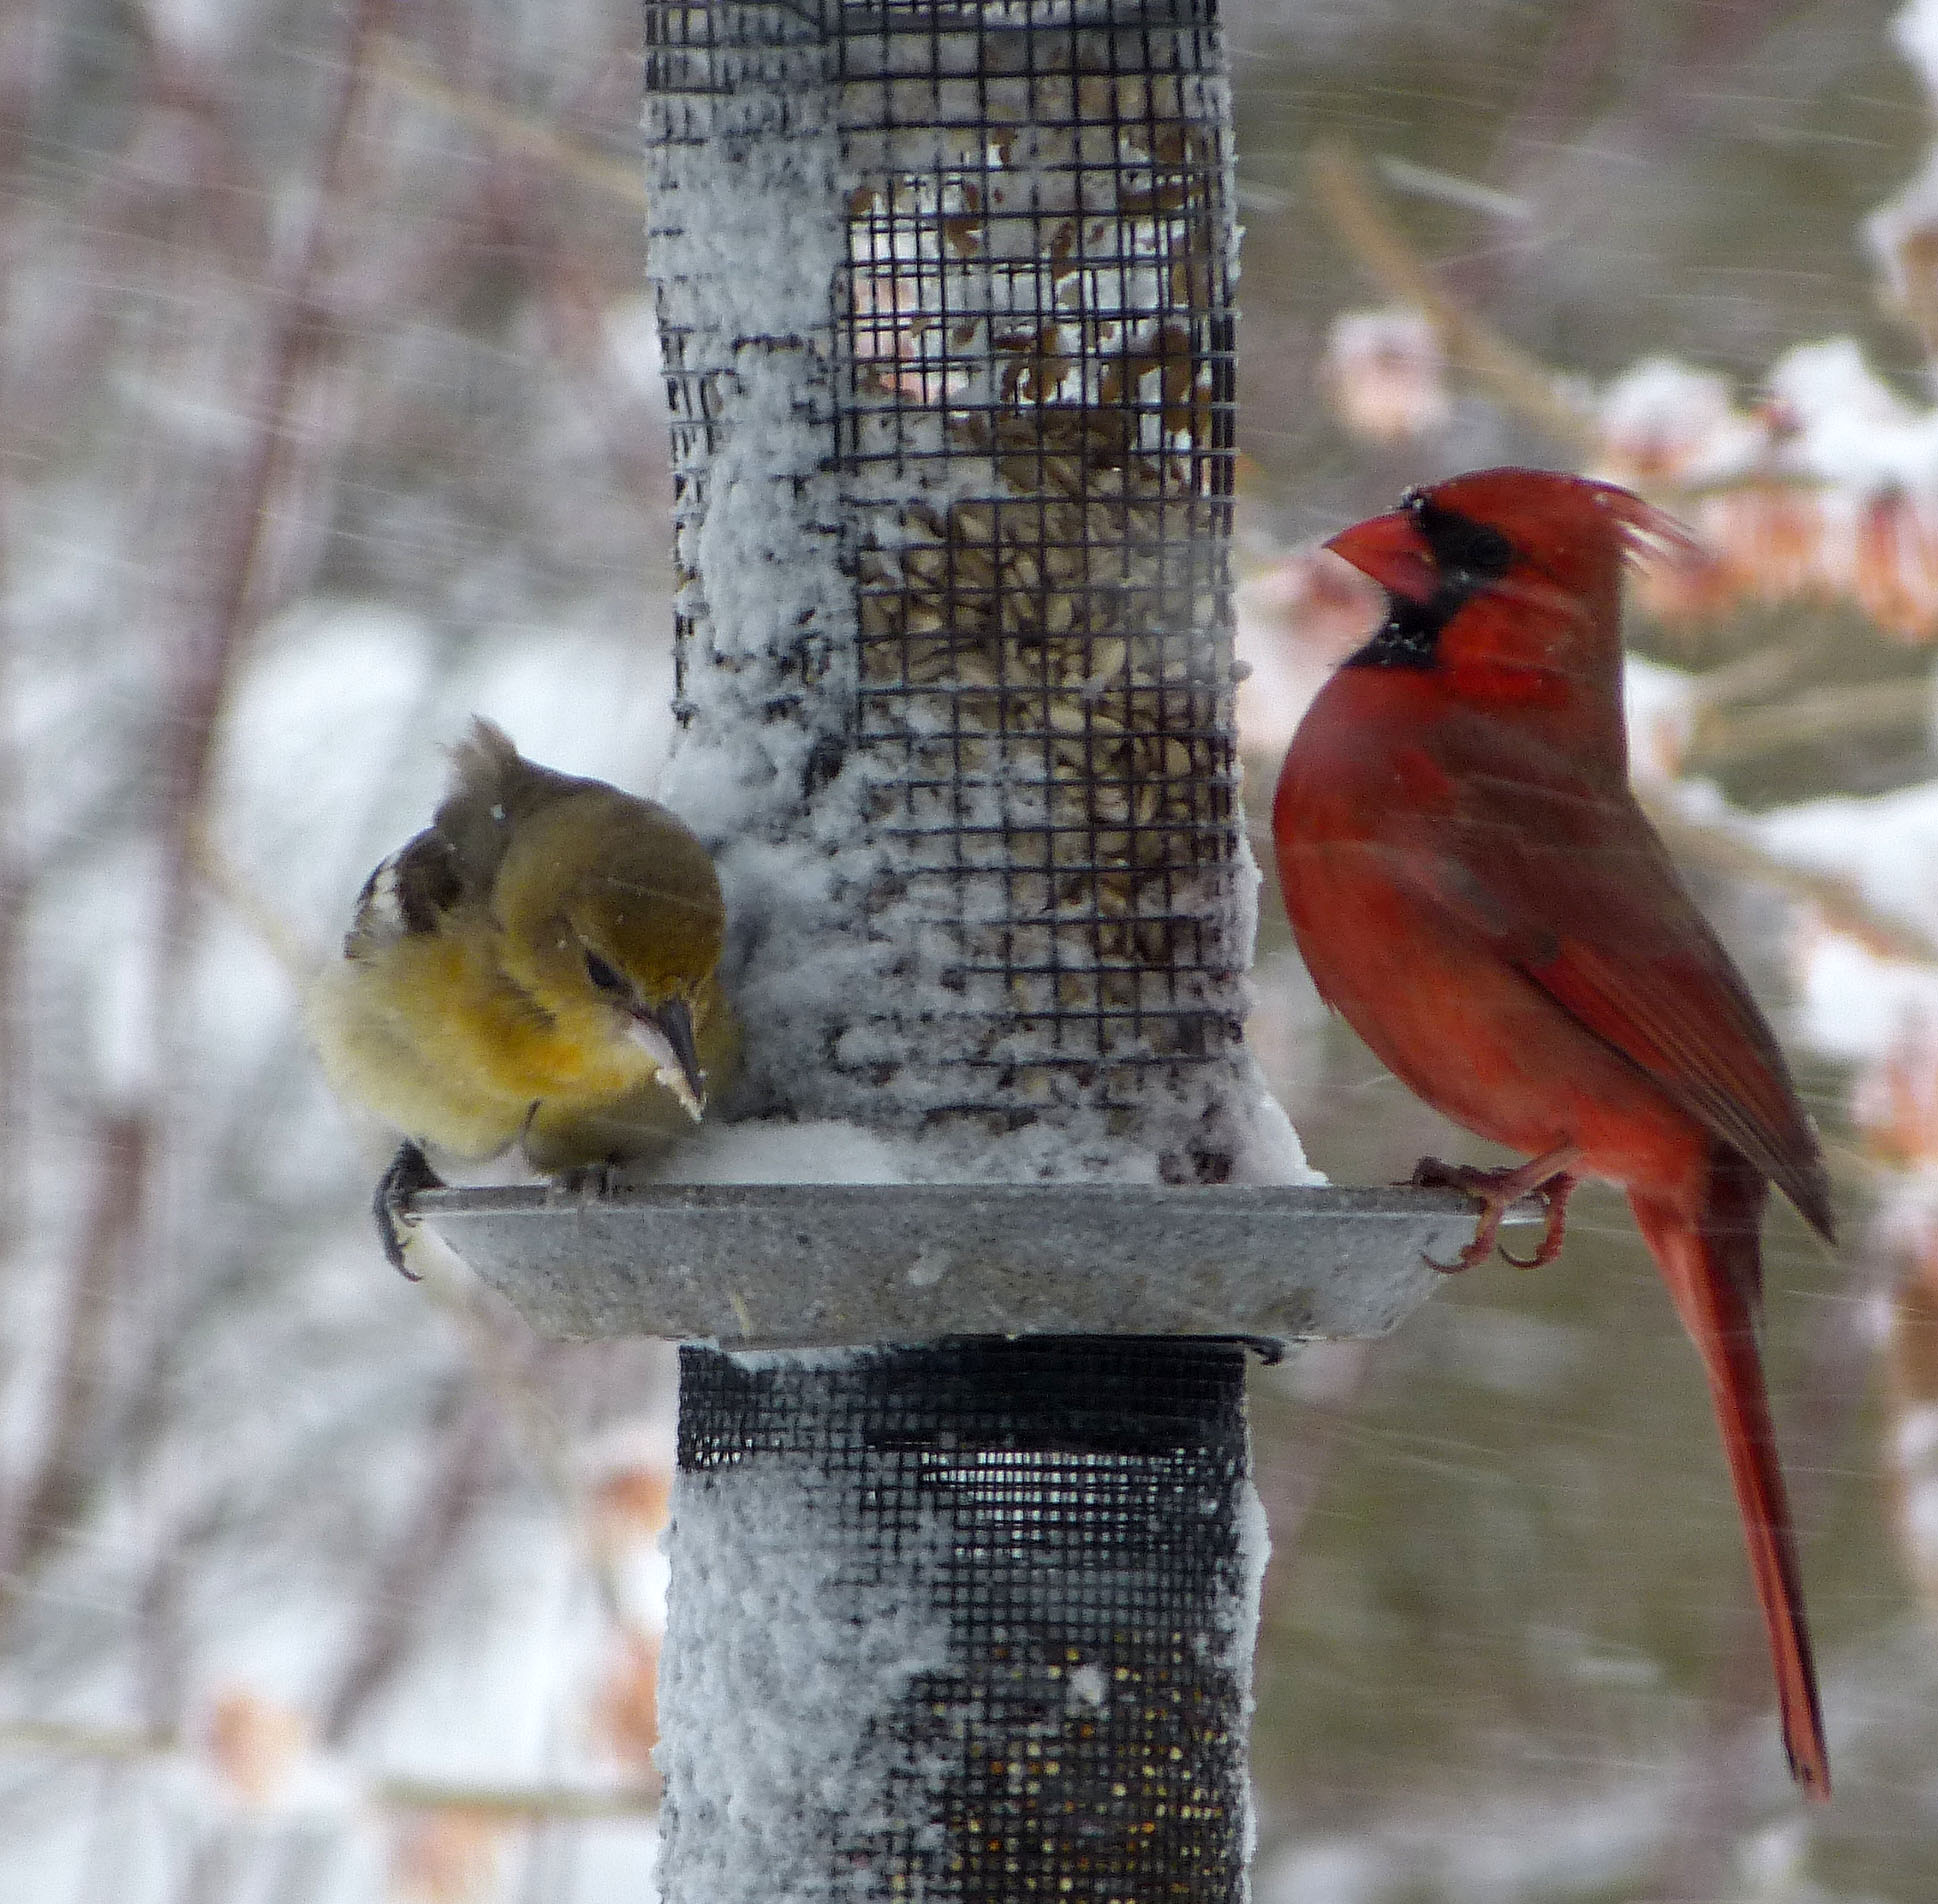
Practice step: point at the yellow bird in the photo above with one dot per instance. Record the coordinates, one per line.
(538, 967)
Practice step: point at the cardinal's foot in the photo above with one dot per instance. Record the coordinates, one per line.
(410, 1171)
(1497, 1191)
(1554, 1195)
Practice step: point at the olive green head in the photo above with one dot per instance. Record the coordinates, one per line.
(613, 923)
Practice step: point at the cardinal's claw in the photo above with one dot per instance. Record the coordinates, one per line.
(1497, 1191)
(410, 1171)
(1554, 1196)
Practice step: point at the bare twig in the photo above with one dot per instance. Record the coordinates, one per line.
(15, 890)
(63, 1489)
(397, 1792)
(535, 1803)
(303, 342)
(299, 961)
(411, 73)
(54, 1738)
(17, 104)
(1518, 381)
(1827, 713)
(1763, 670)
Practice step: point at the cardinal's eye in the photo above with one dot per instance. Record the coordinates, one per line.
(602, 974)
(1462, 548)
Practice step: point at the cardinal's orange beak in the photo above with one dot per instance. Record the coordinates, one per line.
(1393, 552)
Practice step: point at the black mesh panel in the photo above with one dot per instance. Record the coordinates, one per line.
(1068, 1510)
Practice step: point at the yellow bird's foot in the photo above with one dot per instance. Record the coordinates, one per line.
(1545, 1177)
(597, 1181)
(410, 1171)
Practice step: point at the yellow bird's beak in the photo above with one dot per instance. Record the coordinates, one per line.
(667, 1037)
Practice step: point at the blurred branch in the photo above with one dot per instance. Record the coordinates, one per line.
(300, 962)
(409, 72)
(59, 1740)
(68, 1472)
(17, 105)
(90, 1414)
(303, 339)
(1519, 382)
(15, 889)
(1762, 671)
(536, 1802)
(1724, 740)
(397, 1792)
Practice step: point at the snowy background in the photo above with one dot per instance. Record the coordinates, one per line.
(332, 416)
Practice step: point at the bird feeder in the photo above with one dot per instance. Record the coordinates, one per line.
(964, 1551)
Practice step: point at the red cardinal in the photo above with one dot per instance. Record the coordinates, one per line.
(1475, 889)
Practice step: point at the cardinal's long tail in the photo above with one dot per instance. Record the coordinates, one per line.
(1711, 1261)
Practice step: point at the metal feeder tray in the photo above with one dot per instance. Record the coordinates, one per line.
(838, 1265)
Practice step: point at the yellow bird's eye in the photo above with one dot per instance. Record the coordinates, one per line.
(603, 976)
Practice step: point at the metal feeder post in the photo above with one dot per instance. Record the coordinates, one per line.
(945, 298)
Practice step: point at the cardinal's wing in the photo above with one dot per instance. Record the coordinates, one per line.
(1573, 888)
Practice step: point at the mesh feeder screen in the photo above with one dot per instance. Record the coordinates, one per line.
(988, 248)
(943, 293)
(1038, 445)
(1010, 1587)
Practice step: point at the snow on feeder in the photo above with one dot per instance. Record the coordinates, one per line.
(944, 292)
